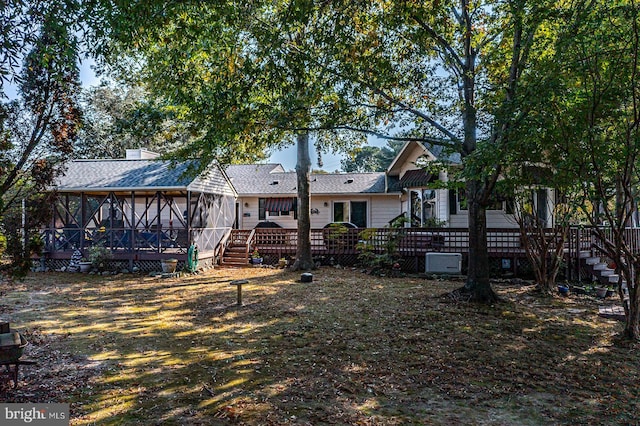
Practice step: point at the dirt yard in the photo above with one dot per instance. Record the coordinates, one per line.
(347, 348)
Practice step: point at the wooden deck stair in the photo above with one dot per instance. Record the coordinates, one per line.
(236, 253)
(600, 270)
(602, 273)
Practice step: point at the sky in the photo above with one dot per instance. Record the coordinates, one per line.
(330, 162)
(287, 157)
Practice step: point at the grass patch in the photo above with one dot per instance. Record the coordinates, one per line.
(347, 348)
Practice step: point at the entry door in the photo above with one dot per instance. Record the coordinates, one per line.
(359, 213)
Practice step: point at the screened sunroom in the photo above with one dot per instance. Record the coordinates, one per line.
(142, 210)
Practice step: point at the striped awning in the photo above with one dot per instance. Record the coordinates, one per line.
(278, 204)
(416, 178)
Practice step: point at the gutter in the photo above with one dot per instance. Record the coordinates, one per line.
(120, 189)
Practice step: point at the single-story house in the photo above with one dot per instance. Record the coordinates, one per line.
(266, 192)
(146, 209)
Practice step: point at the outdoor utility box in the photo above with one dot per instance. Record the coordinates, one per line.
(443, 263)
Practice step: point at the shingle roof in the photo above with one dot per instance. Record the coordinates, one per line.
(267, 179)
(259, 178)
(351, 183)
(393, 184)
(121, 174)
(443, 154)
(270, 179)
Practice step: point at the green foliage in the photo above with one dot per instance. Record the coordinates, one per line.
(371, 158)
(36, 245)
(336, 231)
(433, 222)
(20, 259)
(20, 22)
(99, 255)
(117, 118)
(37, 129)
(3, 244)
(247, 77)
(584, 129)
(36, 212)
(336, 235)
(378, 249)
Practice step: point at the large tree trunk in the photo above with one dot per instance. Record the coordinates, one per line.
(304, 259)
(478, 285)
(632, 308)
(632, 324)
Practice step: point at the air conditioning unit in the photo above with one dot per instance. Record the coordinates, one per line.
(443, 263)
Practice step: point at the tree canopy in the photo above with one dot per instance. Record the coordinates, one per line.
(117, 117)
(371, 158)
(465, 76)
(38, 128)
(447, 74)
(241, 74)
(249, 78)
(593, 131)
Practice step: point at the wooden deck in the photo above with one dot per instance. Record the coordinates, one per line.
(346, 244)
(414, 243)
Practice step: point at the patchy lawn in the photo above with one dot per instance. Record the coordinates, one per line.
(348, 348)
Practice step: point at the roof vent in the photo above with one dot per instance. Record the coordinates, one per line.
(275, 182)
(350, 180)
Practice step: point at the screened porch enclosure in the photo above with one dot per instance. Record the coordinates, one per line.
(139, 225)
(141, 210)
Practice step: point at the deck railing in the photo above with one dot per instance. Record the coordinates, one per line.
(585, 238)
(418, 241)
(409, 241)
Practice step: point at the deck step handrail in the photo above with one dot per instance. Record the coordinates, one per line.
(249, 242)
(224, 242)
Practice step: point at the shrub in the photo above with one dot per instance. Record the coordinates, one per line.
(379, 252)
(434, 222)
(98, 256)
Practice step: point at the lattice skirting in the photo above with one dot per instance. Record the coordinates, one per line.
(409, 264)
(142, 266)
